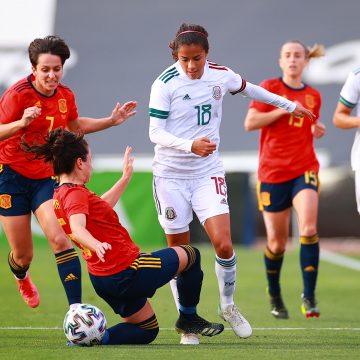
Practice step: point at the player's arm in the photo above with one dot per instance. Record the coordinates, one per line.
(256, 119)
(258, 93)
(83, 236)
(342, 117)
(112, 195)
(119, 115)
(9, 129)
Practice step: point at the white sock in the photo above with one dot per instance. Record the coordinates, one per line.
(73, 306)
(175, 292)
(225, 270)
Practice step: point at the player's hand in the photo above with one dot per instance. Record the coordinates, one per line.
(123, 112)
(100, 249)
(128, 161)
(203, 147)
(30, 114)
(301, 111)
(318, 129)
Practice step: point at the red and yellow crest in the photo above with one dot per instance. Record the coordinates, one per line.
(5, 201)
(62, 105)
(265, 198)
(309, 100)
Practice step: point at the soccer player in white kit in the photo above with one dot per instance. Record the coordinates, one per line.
(185, 114)
(349, 100)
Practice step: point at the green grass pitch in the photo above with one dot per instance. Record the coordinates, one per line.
(36, 333)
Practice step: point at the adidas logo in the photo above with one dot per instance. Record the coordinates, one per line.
(223, 201)
(70, 277)
(186, 97)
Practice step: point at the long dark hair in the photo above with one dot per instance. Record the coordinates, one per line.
(61, 148)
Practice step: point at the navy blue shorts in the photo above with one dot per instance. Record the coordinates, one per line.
(127, 291)
(20, 195)
(278, 197)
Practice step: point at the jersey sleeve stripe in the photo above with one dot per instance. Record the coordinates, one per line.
(346, 103)
(242, 88)
(160, 114)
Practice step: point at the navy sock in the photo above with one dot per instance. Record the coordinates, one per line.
(309, 262)
(69, 269)
(126, 333)
(273, 264)
(189, 282)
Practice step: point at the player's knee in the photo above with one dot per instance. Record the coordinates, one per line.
(224, 250)
(193, 256)
(59, 242)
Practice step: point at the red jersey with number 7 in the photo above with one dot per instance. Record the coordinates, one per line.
(286, 146)
(56, 111)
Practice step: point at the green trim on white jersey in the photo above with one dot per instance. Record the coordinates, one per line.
(160, 114)
(168, 74)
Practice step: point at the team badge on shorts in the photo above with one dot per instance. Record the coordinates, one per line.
(170, 213)
(216, 92)
(265, 198)
(5, 201)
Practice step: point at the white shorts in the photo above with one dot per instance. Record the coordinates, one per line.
(176, 199)
(357, 189)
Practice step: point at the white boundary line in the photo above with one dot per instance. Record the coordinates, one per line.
(340, 260)
(170, 329)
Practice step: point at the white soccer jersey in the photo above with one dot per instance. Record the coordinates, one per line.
(189, 109)
(350, 97)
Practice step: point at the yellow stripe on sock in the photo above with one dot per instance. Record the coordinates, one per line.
(308, 240)
(272, 256)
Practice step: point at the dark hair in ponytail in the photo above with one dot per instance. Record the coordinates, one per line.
(61, 148)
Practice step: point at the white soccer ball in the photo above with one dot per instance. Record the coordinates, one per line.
(85, 325)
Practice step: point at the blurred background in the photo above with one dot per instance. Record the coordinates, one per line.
(120, 47)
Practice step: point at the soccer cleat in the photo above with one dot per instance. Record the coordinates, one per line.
(189, 339)
(28, 291)
(278, 308)
(239, 324)
(197, 326)
(309, 308)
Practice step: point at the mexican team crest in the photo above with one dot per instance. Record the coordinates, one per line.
(62, 105)
(216, 93)
(170, 213)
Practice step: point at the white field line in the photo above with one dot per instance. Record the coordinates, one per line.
(340, 260)
(171, 329)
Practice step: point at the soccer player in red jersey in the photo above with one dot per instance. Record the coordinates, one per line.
(288, 173)
(30, 109)
(120, 274)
